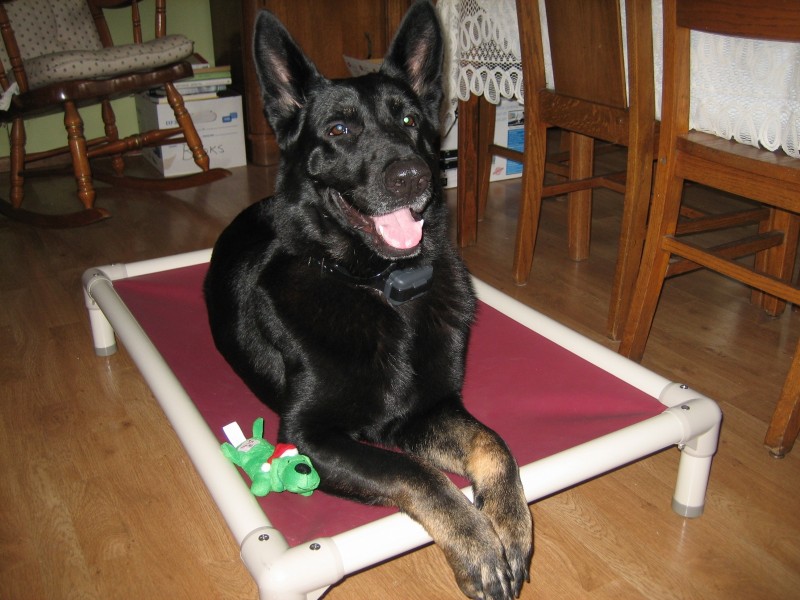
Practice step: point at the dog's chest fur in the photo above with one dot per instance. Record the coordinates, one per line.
(381, 361)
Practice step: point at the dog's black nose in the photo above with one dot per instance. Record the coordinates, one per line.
(302, 468)
(407, 179)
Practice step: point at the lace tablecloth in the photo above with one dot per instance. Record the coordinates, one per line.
(742, 89)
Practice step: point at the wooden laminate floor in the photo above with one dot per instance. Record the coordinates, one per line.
(98, 500)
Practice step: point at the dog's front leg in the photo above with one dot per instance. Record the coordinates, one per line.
(455, 441)
(377, 476)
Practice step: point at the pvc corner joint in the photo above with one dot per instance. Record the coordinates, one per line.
(282, 573)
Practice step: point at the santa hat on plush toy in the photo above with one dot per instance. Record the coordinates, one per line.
(281, 451)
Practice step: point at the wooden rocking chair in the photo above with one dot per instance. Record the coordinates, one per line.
(58, 56)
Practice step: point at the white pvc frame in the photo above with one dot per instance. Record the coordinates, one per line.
(690, 420)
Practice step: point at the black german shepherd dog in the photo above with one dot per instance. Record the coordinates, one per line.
(343, 305)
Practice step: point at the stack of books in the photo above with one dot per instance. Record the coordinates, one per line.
(206, 82)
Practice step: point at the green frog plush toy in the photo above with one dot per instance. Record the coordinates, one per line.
(271, 468)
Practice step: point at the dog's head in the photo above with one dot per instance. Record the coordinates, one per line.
(359, 156)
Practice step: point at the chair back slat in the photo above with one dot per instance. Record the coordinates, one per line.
(136, 20)
(161, 18)
(11, 61)
(587, 51)
(101, 25)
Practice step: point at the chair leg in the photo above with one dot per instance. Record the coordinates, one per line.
(112, 133)
(184, 120)
(78, 150)
(17, 162)
(779, 260)
(636, 206)
(579, 204)
(655, 261)
(785, 423)
(530, 203)
(467, 188)
(487, 118)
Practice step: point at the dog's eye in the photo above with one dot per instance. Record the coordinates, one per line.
(409, 121)
(338, 129)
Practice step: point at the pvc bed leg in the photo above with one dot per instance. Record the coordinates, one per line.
(701, 419)
(105, 343)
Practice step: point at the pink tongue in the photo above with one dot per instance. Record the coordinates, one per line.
(399, 229)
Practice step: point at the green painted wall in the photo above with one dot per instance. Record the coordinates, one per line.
(189, 17)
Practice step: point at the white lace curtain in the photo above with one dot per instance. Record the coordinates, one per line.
(746, 90)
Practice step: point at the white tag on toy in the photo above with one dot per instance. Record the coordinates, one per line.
(234, 434)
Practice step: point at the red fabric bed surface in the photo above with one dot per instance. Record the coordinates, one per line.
(540, 398)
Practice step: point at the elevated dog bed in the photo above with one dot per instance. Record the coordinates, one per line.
(569, 409)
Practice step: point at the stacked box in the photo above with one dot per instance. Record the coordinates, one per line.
(218, 121)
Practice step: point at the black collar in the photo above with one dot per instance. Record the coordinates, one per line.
(395, 284)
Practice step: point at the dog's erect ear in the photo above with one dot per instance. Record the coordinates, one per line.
(284, 73)
(417, 53)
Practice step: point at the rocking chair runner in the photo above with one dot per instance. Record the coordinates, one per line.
(60, 56)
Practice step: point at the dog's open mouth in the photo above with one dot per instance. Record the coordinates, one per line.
(400, 229)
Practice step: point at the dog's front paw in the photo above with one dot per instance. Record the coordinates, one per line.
(516, 536)
(478, 559)
(513, 523)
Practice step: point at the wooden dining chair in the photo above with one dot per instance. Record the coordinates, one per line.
(771, 178)
(591, 99)
(58, 56)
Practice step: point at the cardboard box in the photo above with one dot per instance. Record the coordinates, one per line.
(509, 131)
(219, 121)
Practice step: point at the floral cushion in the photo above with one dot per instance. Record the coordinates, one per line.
(58, 41)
